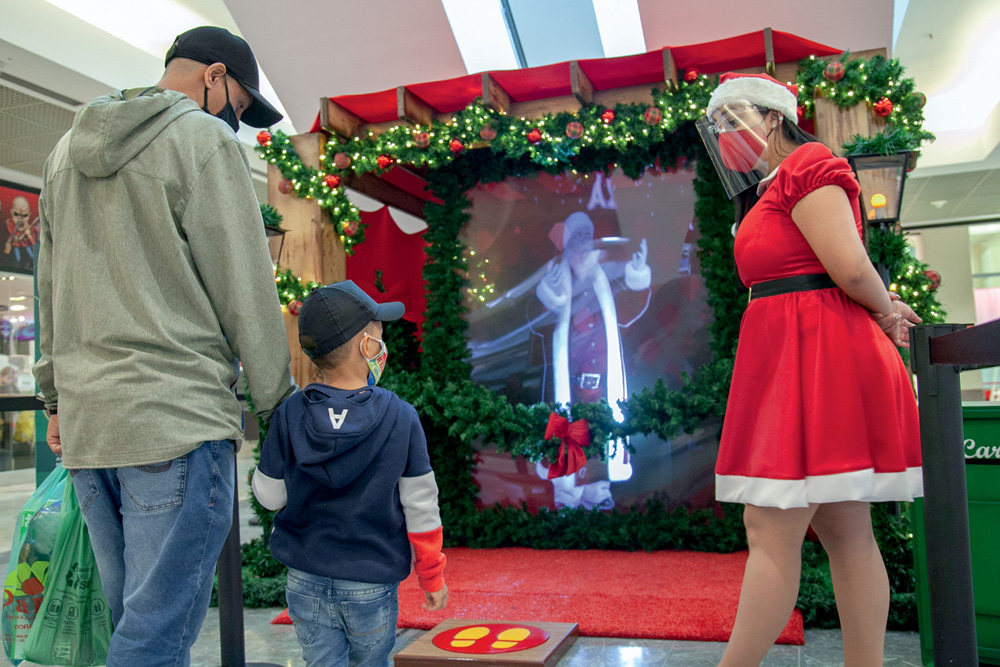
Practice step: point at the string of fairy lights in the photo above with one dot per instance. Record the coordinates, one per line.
(555, 140)
(878, 82)
(550, 141)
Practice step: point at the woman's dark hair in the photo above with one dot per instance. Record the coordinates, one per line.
(744, 201)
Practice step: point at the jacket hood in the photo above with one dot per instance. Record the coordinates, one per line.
(342, 432)
(110, 131)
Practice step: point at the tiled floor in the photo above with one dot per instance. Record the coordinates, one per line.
(276, 644)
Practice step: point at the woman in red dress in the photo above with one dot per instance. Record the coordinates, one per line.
(821, 418)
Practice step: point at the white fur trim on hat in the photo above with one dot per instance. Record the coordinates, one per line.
(758, 91)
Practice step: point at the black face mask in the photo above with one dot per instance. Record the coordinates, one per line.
(228, 113)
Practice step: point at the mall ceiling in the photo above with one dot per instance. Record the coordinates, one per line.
(51, 61)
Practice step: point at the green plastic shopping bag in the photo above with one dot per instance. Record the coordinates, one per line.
(73, 625)
(30, 554)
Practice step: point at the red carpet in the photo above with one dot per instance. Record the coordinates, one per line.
(659, 595)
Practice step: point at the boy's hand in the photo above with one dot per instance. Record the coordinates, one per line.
(436, 601)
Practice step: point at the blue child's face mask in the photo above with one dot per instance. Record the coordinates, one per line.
(377, 363)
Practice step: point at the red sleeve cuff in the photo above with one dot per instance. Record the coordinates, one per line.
(429, 562)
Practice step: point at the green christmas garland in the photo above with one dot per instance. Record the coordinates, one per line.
(874, 82)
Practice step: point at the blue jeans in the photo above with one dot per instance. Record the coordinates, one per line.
(340, 622)
(157, 531)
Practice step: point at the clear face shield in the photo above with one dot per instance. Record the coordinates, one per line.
(737, 144)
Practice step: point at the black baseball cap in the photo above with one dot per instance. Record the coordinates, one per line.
(209, 45)
(334, 314)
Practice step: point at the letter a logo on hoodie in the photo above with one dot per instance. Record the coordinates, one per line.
(337, 420)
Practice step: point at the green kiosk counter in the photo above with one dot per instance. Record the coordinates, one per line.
(981, 423)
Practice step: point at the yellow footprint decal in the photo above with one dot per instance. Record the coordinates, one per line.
(511, 637)
(468, 637)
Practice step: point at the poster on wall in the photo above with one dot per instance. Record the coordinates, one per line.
(583, 287)
(18, 227)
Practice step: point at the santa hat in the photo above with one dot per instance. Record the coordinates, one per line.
(758, 89)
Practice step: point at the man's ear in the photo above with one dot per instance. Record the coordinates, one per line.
(214, 73)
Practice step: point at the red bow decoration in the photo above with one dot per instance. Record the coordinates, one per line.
(575, 436)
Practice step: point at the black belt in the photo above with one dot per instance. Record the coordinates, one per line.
(791, 284)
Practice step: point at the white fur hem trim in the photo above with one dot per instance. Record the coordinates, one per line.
(757, 91)
(860, 485)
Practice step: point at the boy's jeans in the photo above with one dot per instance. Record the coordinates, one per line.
(157, 531)
(340, 622)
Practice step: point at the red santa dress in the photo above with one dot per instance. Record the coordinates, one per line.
(821, 408)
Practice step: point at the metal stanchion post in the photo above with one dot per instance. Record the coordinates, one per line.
(231, 638)
(946, 505)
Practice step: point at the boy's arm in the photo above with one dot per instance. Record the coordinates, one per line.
(270, 492)
(268, 481)
(418, 494)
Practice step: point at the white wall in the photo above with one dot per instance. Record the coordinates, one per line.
(946, 250)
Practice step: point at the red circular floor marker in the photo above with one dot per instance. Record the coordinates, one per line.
(490, 638)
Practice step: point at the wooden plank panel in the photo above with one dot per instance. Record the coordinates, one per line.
(641, 94)
(768, 51)
(380, 128)
(423, 653)
(337, 119)
(312, 249)
(385, 192)
(580, 84)
(834, 125)
(538, 108)
(412, 108)
(494, 95)
(670, 70)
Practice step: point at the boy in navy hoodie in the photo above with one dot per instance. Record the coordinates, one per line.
(346, 464)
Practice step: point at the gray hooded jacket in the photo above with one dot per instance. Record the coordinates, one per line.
(154, 278)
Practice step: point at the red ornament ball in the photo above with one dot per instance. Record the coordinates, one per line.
(800, 112)
(608, 115)
(341, 160)
(652, 115)
(535, 136)
(691, 75)
(285, 186)
(456, 146)
(574, 129)
(421, 139)
(834, 71)
(883, 107)
(935, 279)
(332, 181)
(350, 228)
(921, 99)
(295, 307)
(264, 138)
(383, 161)
(487, 132)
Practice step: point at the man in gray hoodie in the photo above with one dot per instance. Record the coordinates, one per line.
(154, 282)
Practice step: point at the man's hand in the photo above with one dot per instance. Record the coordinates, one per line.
(436, 601)
(52, 436)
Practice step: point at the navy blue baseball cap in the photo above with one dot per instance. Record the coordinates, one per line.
(333, 315)
(209, 45)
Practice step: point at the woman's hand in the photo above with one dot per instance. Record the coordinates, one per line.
(896, 324)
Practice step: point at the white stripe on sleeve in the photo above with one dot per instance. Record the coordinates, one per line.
(419, 497)
(270, 492)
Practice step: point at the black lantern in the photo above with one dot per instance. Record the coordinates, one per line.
(275, 242)
(882, 178)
